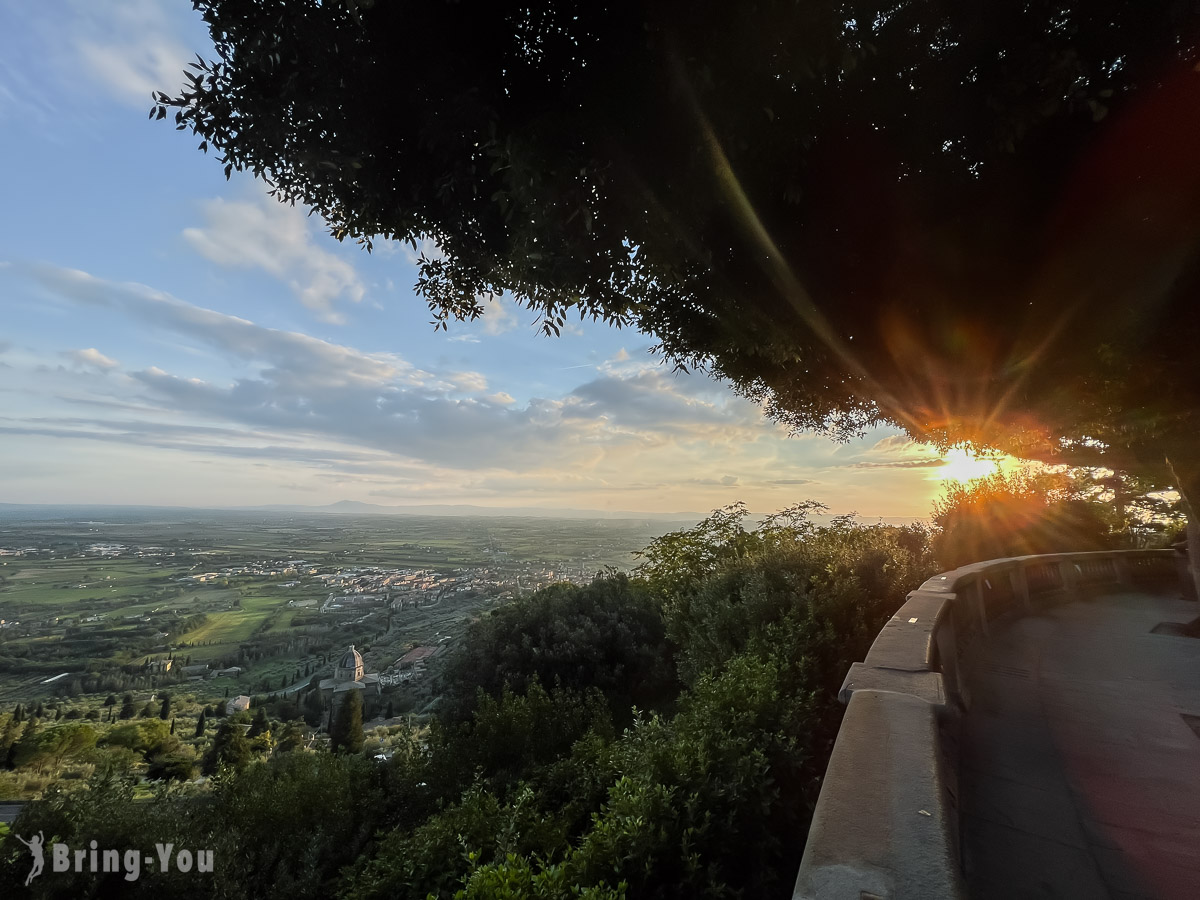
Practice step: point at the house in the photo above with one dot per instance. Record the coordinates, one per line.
(237, 704)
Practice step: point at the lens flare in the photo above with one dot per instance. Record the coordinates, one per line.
(963, 465)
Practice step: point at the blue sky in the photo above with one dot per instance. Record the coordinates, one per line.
(170, 337)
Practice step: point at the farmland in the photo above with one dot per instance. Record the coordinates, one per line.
(89, 599)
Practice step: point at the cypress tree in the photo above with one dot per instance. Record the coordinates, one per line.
(200, 723)
(260, 724)
(347, 733)
(229, 748)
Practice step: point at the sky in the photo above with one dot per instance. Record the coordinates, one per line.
(168, 337)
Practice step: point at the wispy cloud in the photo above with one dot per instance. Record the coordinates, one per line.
(303, 385)
(130, 47)
(93, 358)
(924, 463)
(313, 411)
(278, 239)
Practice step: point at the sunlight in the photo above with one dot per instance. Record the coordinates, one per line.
(963, 465)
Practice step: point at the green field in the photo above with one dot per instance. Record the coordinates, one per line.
(86, 614)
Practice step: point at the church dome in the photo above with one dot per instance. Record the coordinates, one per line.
(350, 667)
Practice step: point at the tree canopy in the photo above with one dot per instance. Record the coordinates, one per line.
(978, 222)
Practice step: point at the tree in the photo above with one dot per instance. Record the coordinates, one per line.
(128, 710)
(230, 748)
(1018, 514)
(980, 224)
(607, 635)
(291, 738)
(200, 723)
(110, 700)
(176, 766)
(260, 724)
(165, 712)
(346, 736)
(9, 737)
(55, 745)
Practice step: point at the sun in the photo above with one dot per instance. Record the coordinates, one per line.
(963, 465)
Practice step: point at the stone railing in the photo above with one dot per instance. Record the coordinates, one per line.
(886, 823)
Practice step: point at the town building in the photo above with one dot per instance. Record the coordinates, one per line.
(348, 675)
(237, 704)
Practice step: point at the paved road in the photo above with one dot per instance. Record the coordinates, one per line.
(1080, 773)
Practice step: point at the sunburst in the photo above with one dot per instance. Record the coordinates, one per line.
(959, 464)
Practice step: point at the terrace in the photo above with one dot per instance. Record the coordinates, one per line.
(1020, 728)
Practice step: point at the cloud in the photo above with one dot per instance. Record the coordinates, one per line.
(498, 315)
(654, 400)
(129, 47)
(92, 357)
(468, 382)
(369, 419)
(924, 463)
(278, 239)
(292, 358)
(723, 481)
(303, 385)
(894, 443)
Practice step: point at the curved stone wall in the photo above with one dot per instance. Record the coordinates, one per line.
(886, 826)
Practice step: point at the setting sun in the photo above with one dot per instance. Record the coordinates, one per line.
(963, 465)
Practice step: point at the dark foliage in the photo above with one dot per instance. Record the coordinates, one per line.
(608, 635)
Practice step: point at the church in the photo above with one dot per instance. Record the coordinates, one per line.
(348, 675)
